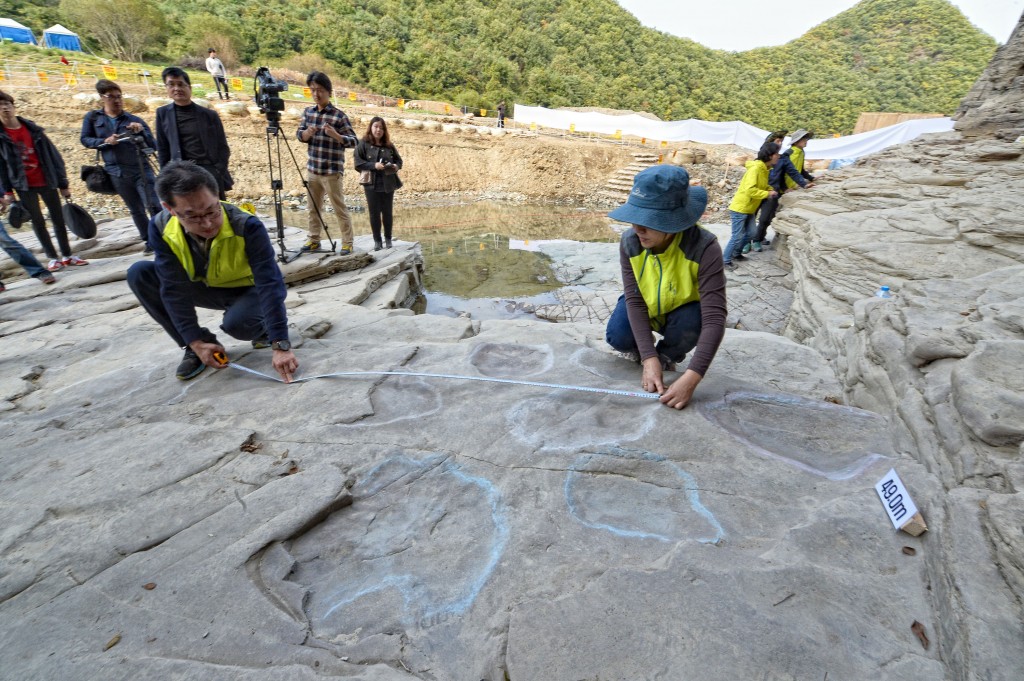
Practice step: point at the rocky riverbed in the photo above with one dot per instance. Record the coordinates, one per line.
(490, 499)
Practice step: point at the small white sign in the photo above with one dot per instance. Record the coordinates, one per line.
(896, 499)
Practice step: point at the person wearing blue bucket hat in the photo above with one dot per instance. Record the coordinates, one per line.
(673, 283)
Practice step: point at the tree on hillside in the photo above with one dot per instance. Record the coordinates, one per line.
(126, 28)
(200, 32)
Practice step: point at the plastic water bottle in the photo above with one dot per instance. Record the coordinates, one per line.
(883, 293)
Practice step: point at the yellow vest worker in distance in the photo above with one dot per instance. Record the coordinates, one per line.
(213, 255)
(673, 283)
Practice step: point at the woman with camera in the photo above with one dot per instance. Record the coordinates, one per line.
(124, 139)
(378, 163)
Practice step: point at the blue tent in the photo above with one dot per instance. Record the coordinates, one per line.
(61, 38)
(12, 30)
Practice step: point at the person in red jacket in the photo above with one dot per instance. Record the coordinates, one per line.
(30, 164)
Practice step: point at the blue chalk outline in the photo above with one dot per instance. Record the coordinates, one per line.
(406, 584)
(689, 486)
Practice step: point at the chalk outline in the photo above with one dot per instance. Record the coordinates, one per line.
(689, 486)
(406, 583)
(852, 470)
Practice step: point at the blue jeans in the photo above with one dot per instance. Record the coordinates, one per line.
(243, 316)
(20, 254)
(682, 329)
(743, 229)
(138, 194)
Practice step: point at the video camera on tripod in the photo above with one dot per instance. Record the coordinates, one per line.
(267, 90)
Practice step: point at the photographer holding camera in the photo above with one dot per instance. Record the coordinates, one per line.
(327, 131)
(124, 139)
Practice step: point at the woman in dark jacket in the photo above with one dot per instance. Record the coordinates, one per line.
(31, 164)
(124, 160)
(378, 156)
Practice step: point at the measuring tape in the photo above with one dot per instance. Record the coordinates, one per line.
(485, 379)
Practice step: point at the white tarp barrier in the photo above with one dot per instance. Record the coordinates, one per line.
(731, 132)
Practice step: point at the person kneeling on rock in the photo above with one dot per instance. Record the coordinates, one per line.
(213, 255)
(673, 280)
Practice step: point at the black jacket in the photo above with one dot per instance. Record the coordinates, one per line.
(366, 158)
(12, 173)
(168, 147)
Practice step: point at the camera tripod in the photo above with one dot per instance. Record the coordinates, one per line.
(277, 187)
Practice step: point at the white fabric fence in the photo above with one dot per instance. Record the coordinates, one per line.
(730, 132)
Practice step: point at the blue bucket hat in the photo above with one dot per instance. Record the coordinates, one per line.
(663, 200)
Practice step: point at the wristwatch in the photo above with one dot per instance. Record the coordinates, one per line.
(281, 345)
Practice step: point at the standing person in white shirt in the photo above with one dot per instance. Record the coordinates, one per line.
(220, 75)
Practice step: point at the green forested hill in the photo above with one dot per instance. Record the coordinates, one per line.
(881, 55)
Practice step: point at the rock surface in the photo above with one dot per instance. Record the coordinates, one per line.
(387, 526)
(940, 221)
(993, 105)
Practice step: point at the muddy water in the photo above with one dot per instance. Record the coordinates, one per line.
(468, 263)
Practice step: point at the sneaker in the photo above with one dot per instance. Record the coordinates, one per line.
(740, 257)
(757, 246)
(190, 367)
(74, 260)
(729, 265)
(311, 245)
(55, 266)
(631, 355)
(346, 249)
(47, 278)
(261, 344)
(746, 247)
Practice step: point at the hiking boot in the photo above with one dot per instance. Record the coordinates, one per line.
(47, 278)
(74, 261)
(261, 344)
(740, 257)
(190, 367)
(729, 265)
(311, 245)
(55, 266)
(346, 249)
(387, 243)
(377, 245)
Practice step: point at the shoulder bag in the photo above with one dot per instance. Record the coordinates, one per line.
(96, 178)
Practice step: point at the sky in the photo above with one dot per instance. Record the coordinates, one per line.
(738, 25)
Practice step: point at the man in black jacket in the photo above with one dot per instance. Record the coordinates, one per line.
(188, 132)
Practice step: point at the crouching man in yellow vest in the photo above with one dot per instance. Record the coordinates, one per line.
(213, 255)
(673, 281)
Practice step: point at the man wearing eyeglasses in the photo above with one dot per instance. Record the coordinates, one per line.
(187, 131)
(213, 255)
(104, 129)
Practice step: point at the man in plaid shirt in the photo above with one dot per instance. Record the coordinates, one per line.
(327, 131)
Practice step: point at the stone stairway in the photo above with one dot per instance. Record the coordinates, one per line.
(621, 182)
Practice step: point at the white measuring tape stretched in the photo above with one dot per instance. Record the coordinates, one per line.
(486, 379)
